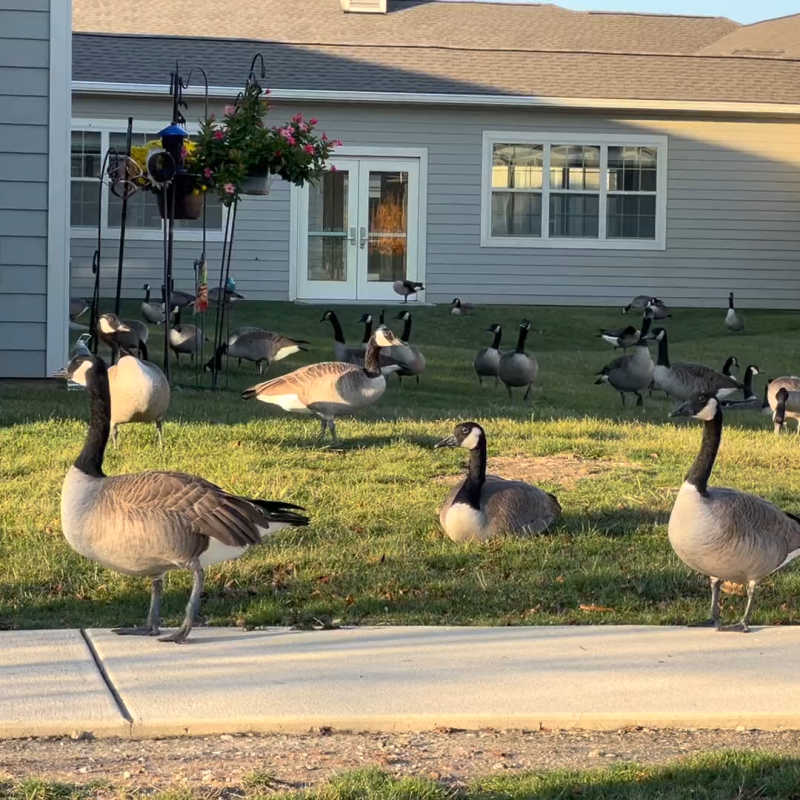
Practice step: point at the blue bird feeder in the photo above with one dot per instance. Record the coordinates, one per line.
(172, 138)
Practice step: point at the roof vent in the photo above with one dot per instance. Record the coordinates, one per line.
(364, 6)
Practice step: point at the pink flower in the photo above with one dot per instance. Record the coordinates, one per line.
(212, 117)
(303, 127)
(230, 110)
(309, 148)
(230, 188)
(219, 135)
(297, 117)
(267, 91)
(313, 121)
(324, 137)
(337, 143)
(207, 173)
(333, 168)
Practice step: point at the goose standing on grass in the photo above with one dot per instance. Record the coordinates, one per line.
(733, 322)
(406, 355)
(348, 353)
(229, 295)
(259, 346)
(751, 370)
(139, 393)
(330, 388)
(151, 313)
(483, 506)
(125, 335)
(633, 373)
(148, 523)
(621, 337)
(487, 360)
(723, 533)
(516, 367)
(459, 307)
(642, 301)
(683, 380)
(184, 338)
(405, 288)
(792, 385)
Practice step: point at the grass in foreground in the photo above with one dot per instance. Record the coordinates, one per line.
(374, 553)
(715, 776)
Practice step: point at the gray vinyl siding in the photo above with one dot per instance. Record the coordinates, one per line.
(24, 86)
(732, 212)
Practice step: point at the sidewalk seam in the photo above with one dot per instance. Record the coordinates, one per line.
(121, 707)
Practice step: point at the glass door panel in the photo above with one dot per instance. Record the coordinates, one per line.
(328, 261)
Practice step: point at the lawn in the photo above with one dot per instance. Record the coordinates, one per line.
(727, 774)
(374, 553)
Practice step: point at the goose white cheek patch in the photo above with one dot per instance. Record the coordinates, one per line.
(471, 441)
(106, 326)
(707, 412)
(79, 376)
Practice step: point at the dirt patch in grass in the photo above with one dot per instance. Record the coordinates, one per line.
(564, 469)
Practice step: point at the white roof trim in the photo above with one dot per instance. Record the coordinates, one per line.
(423, 98)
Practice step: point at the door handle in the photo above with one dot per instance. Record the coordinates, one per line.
(352, 237)
(363, 238)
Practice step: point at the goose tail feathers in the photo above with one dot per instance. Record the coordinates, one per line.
(277, 511)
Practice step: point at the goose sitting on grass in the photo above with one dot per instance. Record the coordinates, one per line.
(723, 533)
(483, 506)
(149, 523)
(330, 388)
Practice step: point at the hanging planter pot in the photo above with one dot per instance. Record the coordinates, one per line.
(188, 205)
(257, 184)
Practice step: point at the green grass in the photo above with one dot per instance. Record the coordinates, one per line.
(374, 553)
(715, 776)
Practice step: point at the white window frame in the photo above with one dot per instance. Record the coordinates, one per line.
(105, 127)
(604, 140)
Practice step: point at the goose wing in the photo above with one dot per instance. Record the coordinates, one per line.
(308, 384)
(517, 507)
(705, 378)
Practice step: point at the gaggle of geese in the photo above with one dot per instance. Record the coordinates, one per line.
(150, 523)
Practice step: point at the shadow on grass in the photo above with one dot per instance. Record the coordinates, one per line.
(614, 522)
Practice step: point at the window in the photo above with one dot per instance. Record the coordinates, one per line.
(90, 141)
(573, 190)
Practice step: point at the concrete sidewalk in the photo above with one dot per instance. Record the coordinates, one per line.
(406, 678)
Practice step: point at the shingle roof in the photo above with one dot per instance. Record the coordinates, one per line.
(430, 47)
(486, 26)
(775, 38)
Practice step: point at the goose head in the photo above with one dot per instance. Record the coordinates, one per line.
(81, 368)
(701, 406)
(366, 318)
(404, 315)
(110, 323)
(456, 303)
(468, 435)
(525, 325)
(493, 328)
(384, 337)
(327, 316)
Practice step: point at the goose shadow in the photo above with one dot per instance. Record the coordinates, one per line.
(614, 523)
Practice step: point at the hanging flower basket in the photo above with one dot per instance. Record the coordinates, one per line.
(188, 201)
(257, 184)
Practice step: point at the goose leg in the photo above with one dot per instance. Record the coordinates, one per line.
(713, 620)
(417, 380)
(259, 364)
(160, 432)
(114, 435)
(480, 380)
(509, 391)
(742, 626)
(639, 399)
(797, 429)
(150, 628)
(323, 427)
(527, 392)
(332, 426)
(622, 397)
(192, 607)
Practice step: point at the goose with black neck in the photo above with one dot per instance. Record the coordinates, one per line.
(726, 534)
(487, 360)
(149, 523)
(517, 368)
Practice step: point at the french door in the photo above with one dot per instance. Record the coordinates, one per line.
(358, 229)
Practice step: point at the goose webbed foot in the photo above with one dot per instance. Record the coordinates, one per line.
(192, 609)
(706, 623)
(738, 627)
(140, 630)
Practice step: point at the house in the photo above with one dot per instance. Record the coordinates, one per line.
(35, 41)
(508, 153)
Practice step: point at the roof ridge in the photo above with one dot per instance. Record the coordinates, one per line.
(451, 48)
(770, 19)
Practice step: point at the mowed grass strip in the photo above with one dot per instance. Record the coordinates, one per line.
(374, 552)
(712, 776)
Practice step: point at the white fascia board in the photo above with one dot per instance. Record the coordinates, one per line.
(422, 98)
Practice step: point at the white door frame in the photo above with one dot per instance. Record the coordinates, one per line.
(295, 211)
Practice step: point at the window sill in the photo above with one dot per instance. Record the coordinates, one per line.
(573, 244)
(147, 235)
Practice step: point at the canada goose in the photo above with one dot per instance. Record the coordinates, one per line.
(149, 523)
(184, 338)
(723, 533)
(406, 288)
(792, 385)
(411, 361)
(259, 346)
(730, 366)
(139, 393)
(747, 384)
(732, 320)
(487, 360)
(329, 388)
(151, 313)
(351, 354)
(78, 306)
(621, 337)
(641, 301)
(483, 506)
(229, 295)
(683, 380)
(516, 367)
(127, 335)
(180, 299)
(459, 307)
(632, 373)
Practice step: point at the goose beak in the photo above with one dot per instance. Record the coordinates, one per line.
(448, 441)
(684, 410)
